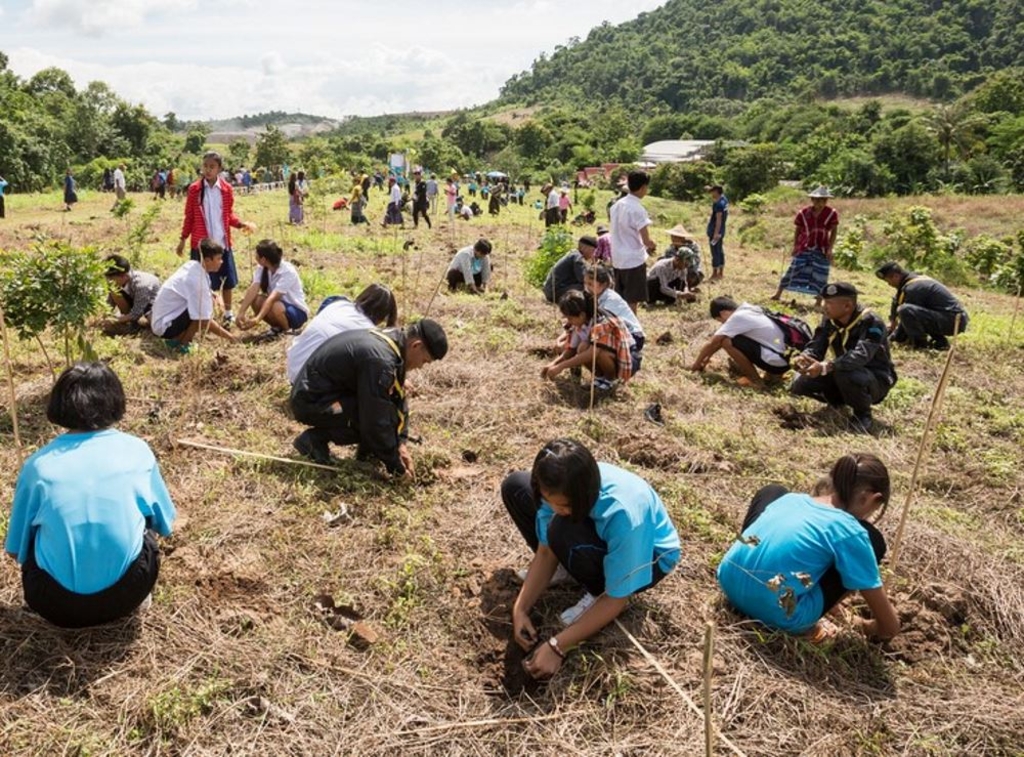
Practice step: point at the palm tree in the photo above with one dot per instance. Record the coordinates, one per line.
(954, 126)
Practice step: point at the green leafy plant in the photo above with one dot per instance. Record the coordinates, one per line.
(54, 286)
(557, 242)
(140, 231)
(914, 239)
(849, 249)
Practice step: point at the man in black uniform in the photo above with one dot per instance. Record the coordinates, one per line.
(861, 372)
(922, 309)
(420, 201)
(352, 391)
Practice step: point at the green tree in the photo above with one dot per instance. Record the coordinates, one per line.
(272, 148)
(747, 170)
(195, 140)
(238, 152)
(955, 128)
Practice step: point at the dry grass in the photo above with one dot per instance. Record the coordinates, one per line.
(232, 659)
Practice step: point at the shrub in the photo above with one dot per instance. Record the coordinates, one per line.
(557, 242)
(913, 239)
(848, 253)
(985, 254)
(682, 181)
(752, 169)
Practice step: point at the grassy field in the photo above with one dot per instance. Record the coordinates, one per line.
(233, 657)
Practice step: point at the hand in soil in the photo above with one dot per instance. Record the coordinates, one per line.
(523, 631)
(543, 663)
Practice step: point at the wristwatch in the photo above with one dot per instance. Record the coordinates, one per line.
(553, 643)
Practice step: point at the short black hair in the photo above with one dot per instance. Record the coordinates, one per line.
(270, 251)
(575, 302)
(636, 180)
(378, 304)
(602, 274)
(482, 245)
(118, 264)
(720, 304)
(86, 397)
(566, 467)
(213, 155)
(210, 249)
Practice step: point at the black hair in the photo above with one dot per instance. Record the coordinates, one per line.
(210, 249)
(636, 180)
(270, 251)
(602, 274)
(482, 245)
(302, 175)
(86, 397)
(856, 473)
(213, 155)
(575, 302)
(378, 304)
(291, 183)
(118, 264)
(566, 467)
(721, 304)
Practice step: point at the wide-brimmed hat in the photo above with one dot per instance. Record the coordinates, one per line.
(820, 192)
(602, 228)
(679, 231)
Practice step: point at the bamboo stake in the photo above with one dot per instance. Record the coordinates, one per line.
(593, 358)
(433, 296)
(675, 686)
(709, 726)
(925, 446)
(10, 387)
(256, 455)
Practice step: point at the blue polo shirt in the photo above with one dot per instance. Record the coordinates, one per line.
(631, 519)
(720, 205)
(771, 572)
(84, 501)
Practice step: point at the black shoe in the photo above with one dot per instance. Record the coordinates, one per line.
(311, 445)
(940, 343)
(861, 423)
(653, 414)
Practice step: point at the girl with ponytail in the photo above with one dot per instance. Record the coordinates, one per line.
(275, 296)
(799, 555)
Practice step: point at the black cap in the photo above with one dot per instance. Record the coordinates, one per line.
(839, 289)
(589, 241)
(434, 338)
(887, 268)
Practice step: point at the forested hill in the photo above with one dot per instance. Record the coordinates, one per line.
(691, 53)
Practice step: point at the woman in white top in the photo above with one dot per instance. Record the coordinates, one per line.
(375, 306)
(275, 296)
(471, 268)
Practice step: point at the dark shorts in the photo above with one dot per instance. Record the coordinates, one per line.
(225, 277)
(296, 316)
(177, 327)
(752, 351)
(631, 283)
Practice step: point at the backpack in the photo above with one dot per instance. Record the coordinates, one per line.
(795, 331)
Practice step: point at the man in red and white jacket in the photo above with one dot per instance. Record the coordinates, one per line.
(210, 214)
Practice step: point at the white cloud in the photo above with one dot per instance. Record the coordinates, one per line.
(272, 63)
(99, 17)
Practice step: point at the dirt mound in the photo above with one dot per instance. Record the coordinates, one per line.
(664, 453)
(934, 620)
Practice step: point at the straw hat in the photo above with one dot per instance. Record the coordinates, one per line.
(820, 193)
(679, 231)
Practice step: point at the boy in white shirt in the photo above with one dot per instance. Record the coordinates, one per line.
(750, 339)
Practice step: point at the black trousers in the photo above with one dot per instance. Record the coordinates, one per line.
(341, 428)
(576, 545)
(752, 351)
(858, 387)
(655, 295)
(552, 217)
(420, 210)
(3, 213)
(455, 279)
(831, 582)
(70, 610)
(916, 324)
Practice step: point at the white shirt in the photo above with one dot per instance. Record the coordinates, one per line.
(553, 199)
(188, 288)
(431, 187)
(749, 321)
(628, 218)
(396, 194)
(285, 280)
(465, 260)
(213, 212)
(118, 178)
(336, 318)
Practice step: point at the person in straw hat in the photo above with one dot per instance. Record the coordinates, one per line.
(813, 239)
(677, 275)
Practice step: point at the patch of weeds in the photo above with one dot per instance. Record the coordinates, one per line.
(1000, 465)
(950, 438)
(949, 519)
(173, 709)
(500, 340)
(316, 284)
(907, 392)
(512, 314)
(406, 590)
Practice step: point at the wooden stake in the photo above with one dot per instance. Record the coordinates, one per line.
(10, 386)
(925, 446)
(256, 455)
(709, 726)
(1016, 309)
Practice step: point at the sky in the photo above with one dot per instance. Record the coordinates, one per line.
(205, 59)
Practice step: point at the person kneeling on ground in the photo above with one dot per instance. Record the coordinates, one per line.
(668, 281)
(799, 555)
(131, 292)
(84, 506)
(567, 274)
(276, 295)
(184, 304)
(750, 339)
(375, 306)
(352, 391)
(597, 339)
(600, 524)
(683, 245)
(471, 267)
(599, 281)
(861, 373)
(922, 310)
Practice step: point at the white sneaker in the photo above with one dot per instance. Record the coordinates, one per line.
(570, 616)
(561, 575)
(146, 603)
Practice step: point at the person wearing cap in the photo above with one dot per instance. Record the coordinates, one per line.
(813, 239)
(351, 390)
(683, 245)
(131, 292)
(471, 267)
(716, 229)
(567, 274)
(860, 372)
(922, 310)
(603, 253)
(631, 241)
(420, 201)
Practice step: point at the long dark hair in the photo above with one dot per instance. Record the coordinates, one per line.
(270, 251)
(292, 177)
(378, 304)
(857, 473)
(566, 467)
